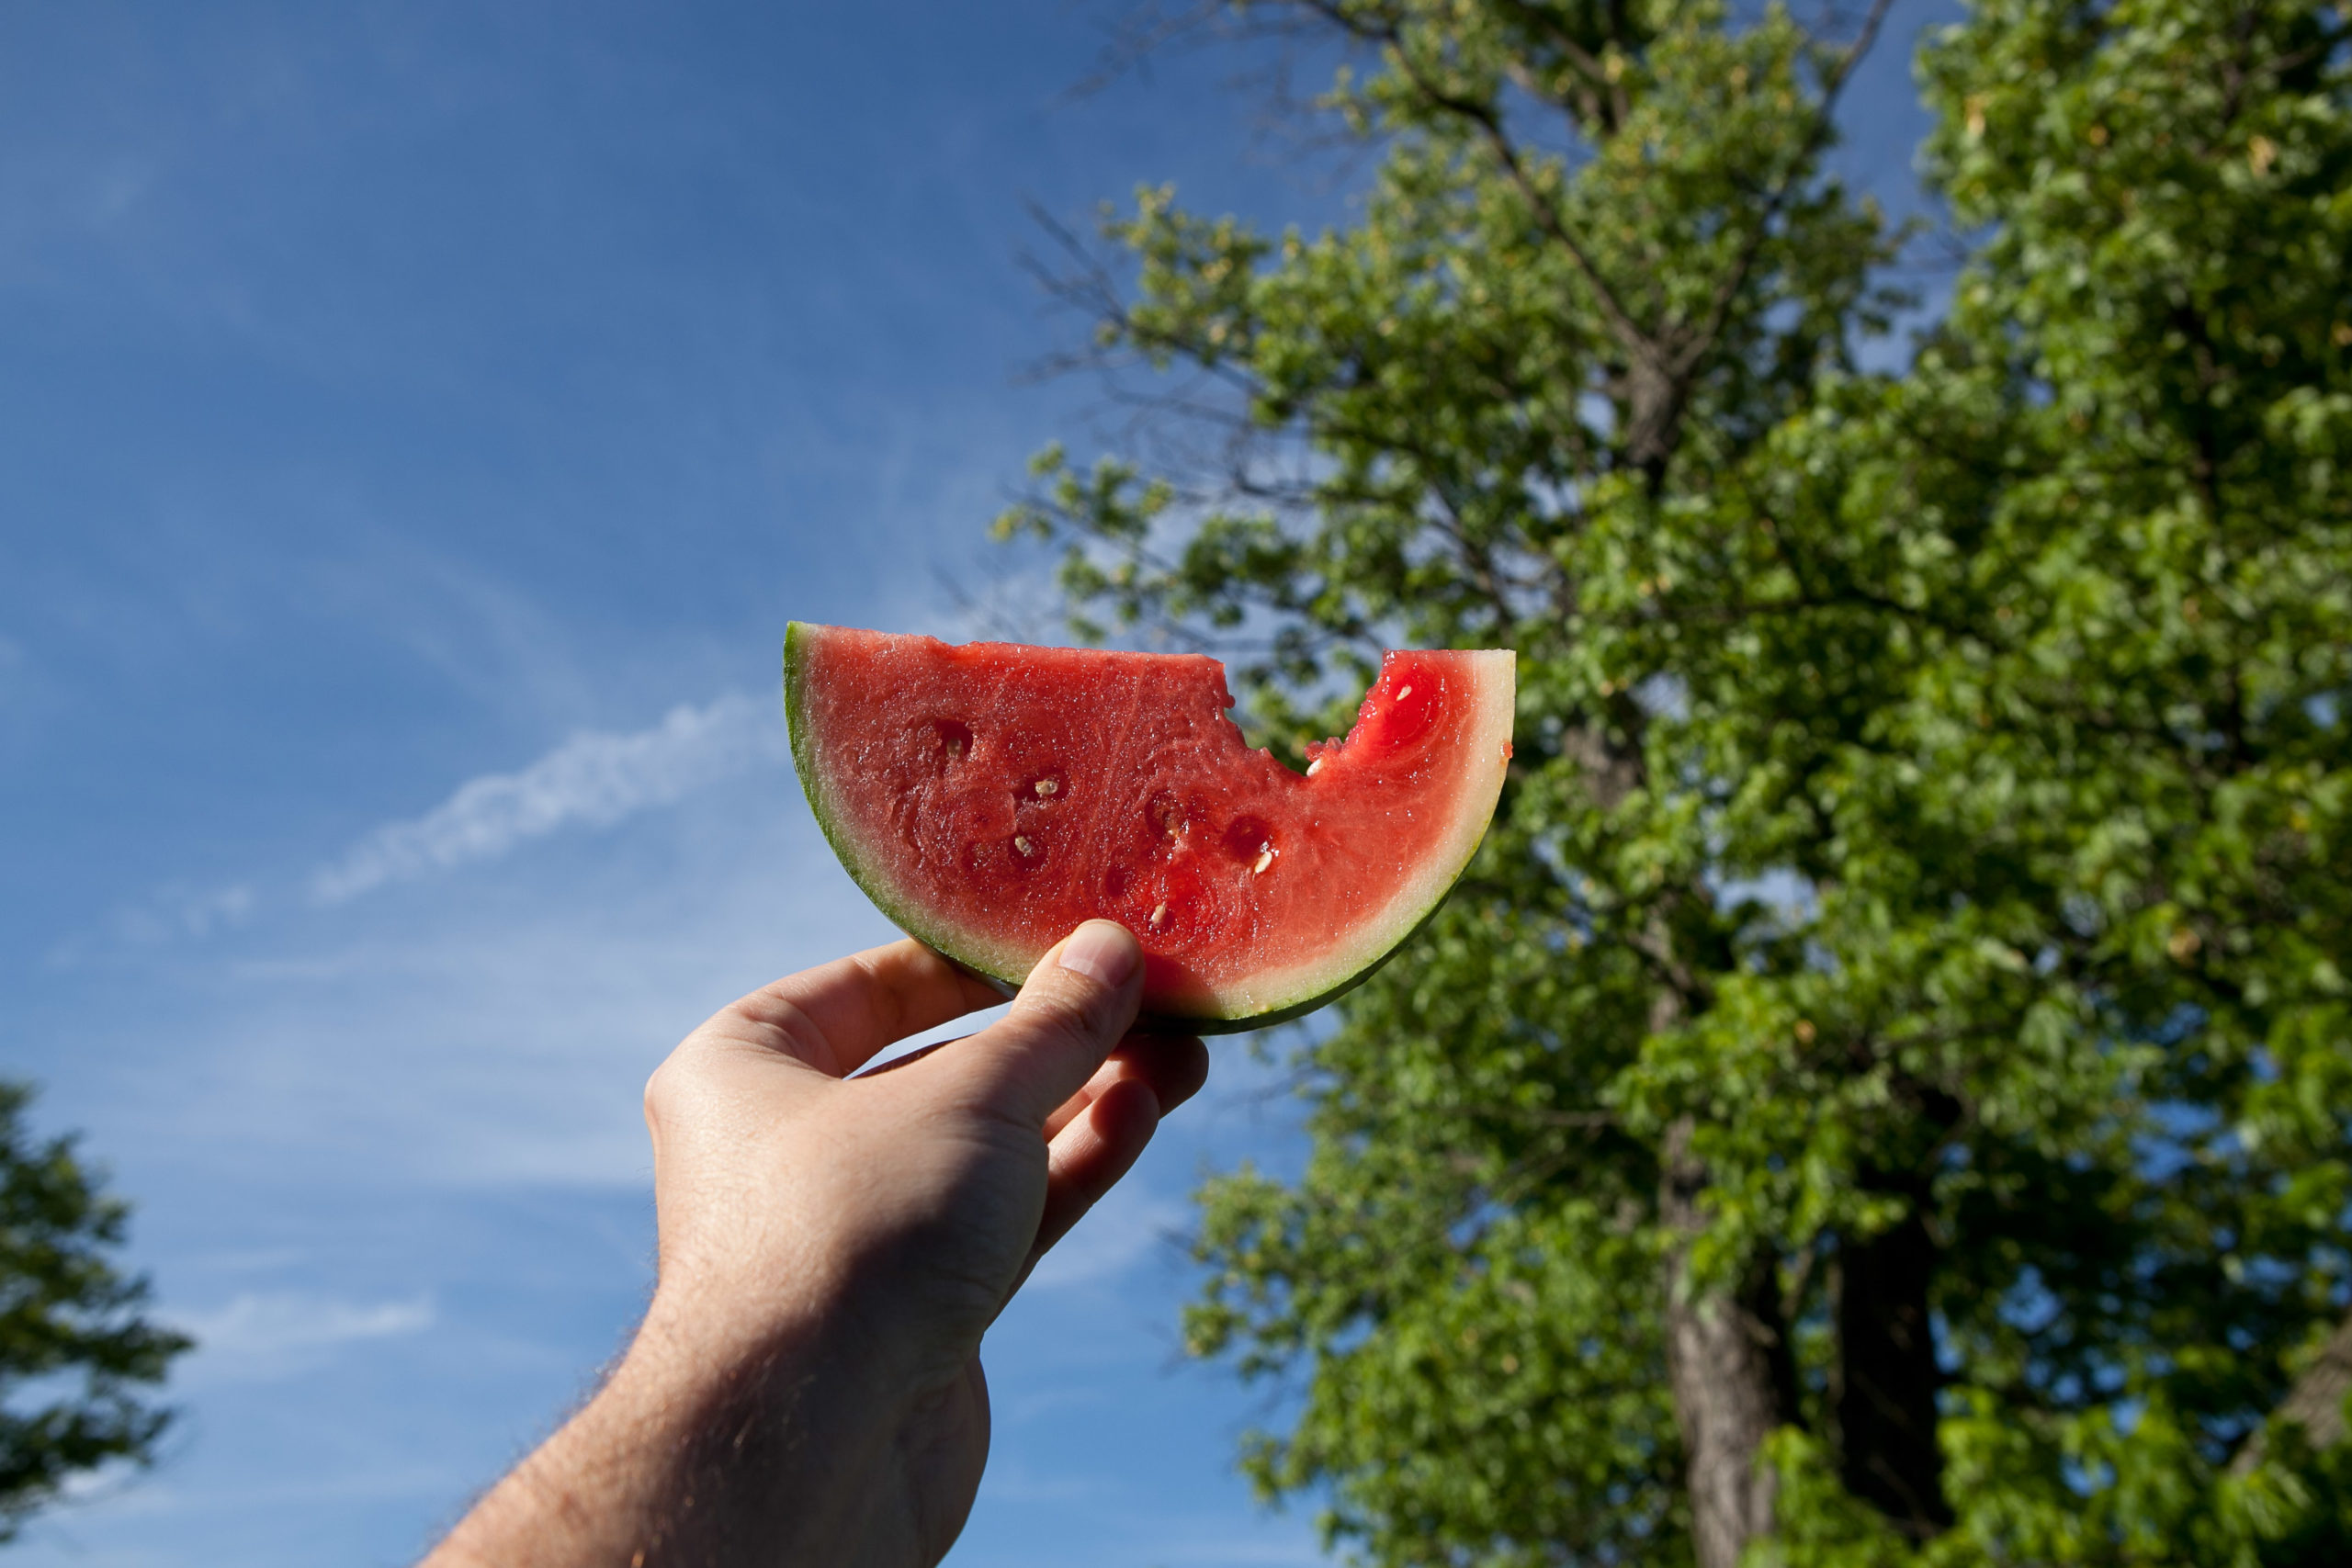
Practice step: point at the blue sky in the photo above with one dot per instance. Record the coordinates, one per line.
(417, 423)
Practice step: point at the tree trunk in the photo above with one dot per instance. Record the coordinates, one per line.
(2316, 1402)
(1731, 1373)
(1654, 400)
(1882, 1398)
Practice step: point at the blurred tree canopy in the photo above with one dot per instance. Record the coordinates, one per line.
(1880, 1095)
(74, 1350)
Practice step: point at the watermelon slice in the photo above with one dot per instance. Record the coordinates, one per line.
(991, 796)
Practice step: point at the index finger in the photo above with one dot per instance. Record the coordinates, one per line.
(837, 1015)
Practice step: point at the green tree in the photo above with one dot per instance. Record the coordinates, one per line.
(1880, 1093)
(74, 1353)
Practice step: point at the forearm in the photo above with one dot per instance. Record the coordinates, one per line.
(806, 1391)
(596, 1491)
(691, 1456)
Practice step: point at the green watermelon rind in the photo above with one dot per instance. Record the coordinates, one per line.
(969, 955)
(1205, 1023)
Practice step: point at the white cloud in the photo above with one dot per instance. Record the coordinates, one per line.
(178, 911)
(267, 1334)
(173, 912)
(274, 1320)
(497, 1036)
(1117, 1234)
(593, 780)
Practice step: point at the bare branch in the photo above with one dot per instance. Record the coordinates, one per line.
(1629, 334)
(1689, 354)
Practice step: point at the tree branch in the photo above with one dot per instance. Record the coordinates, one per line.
(1688, 356)
(1490, 125)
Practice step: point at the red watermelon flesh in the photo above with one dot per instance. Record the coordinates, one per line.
(990, 796)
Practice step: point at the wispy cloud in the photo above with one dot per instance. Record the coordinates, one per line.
(267, 1334)
(1117, 1234)
(593, 780)
(177, 911)
(259, 1320)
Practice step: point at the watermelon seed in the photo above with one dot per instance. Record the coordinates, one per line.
(1403, 695)
(955, 740)
(1167, 814)
(1047, 786)
(1248, 839)
(1315, 767)
(1159, 915)
(1265, 859)
(1027, 850)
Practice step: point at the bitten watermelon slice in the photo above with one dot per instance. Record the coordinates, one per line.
(991, 796)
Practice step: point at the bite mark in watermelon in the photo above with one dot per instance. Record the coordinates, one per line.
(991, 796)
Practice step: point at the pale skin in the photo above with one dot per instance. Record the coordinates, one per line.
(806, 1387)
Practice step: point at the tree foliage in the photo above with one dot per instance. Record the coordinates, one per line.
(1881, 1094)
(74, 1353)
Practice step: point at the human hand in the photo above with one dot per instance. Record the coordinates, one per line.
(806, 1385)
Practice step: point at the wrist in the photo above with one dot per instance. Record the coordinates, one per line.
(717, 1334)
(767, 1430)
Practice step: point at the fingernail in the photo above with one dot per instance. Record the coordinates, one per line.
(1103, 950)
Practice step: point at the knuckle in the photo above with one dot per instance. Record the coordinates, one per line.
(659, 1092)
(1072, 1016)
(668, 1088)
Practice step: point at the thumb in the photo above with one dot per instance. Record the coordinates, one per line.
(1076, 1005)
